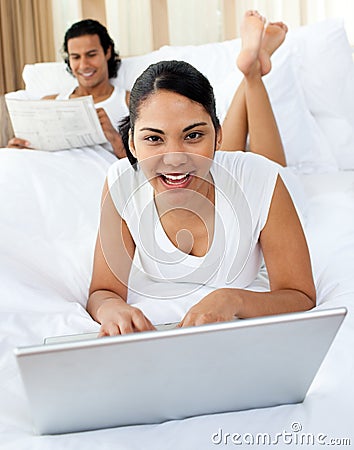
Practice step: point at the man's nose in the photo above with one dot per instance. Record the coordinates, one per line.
(83, 62)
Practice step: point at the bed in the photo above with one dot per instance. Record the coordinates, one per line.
(49, 217)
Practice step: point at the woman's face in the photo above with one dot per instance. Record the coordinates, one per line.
(174, 142)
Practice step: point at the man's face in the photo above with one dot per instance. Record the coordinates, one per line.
(88, 61)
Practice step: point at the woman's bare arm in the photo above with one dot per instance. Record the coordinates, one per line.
(113, 257)
(289, 268)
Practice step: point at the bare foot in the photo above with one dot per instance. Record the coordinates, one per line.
(273, 37)
(252, 29)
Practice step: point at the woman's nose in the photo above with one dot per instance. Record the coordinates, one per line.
(175, 159)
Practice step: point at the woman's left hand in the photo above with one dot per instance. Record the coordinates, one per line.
(218, 306)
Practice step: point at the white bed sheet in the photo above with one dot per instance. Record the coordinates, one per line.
(48, 223)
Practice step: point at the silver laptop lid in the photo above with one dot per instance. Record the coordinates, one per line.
(152, 377)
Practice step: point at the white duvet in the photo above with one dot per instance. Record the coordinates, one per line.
(49, 205)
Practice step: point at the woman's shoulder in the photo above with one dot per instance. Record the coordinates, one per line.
(125, 176)
(128, 186)
(122, 180)
(244, 164)
(241, 158)
(254, 174)
(247, 176)
(119, 168)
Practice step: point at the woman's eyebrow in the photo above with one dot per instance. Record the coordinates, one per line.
(198, 124)
(154, 130)
(189, 127)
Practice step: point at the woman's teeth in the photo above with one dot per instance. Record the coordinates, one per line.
(175, 179)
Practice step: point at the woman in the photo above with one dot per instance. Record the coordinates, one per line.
(182, 221)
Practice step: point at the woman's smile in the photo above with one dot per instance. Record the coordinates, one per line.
(175, 180)
(174, 142)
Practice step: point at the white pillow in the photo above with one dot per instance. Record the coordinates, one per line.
(305, 144)
(214, 60)
(133, 66)
(326, 69)
(46, 79)
(21, 94)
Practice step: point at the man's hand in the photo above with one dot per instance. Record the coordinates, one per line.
(19, 143)
(111, 133)
(106, 124)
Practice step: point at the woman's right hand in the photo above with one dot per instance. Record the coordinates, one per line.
(117, 317)
(18, 143)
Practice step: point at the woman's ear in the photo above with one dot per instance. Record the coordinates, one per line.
(218, 139)
(131, 143)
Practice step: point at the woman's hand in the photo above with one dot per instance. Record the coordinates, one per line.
(219, 306)
(18, 143)
(117, 317)
(111, 133)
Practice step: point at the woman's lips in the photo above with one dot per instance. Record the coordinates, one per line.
(175, 180)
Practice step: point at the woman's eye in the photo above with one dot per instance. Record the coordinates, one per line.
(152, 138)
(194, 135)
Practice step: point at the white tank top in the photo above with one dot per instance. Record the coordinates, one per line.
(244, 186)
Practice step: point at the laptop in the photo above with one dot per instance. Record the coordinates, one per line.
(155, 376)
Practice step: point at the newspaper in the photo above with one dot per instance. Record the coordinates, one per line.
(56, 124)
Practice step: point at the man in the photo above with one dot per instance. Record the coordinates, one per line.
(91, 58)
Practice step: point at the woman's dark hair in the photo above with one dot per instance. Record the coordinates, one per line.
(175, 76)
(90, 26)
